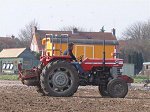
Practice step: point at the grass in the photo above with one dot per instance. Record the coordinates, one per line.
(8, 77)
(140, 79)
(137, 79)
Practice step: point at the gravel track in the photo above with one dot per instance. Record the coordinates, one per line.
(16, 97)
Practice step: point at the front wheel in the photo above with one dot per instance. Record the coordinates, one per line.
(103, 91)
(117, 88)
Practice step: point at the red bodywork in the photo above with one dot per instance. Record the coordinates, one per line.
(126, 78)
(88, 64)
(46, 59)
(28, 74)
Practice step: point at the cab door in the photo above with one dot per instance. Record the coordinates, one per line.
(79, 50)
(86, 50)
(89, 51)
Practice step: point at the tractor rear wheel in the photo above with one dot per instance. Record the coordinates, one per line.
(103, 91)
(117, 88)
(59, 79)
(40, 90)
(38, 87)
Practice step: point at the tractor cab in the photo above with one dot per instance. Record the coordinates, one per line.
(54, 45)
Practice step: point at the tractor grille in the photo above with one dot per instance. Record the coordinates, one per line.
(116, 71)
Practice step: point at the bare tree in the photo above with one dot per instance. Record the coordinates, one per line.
(139, 30)
(25, 34)
(146, 30)
(137, 38)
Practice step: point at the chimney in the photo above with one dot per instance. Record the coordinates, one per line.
(102, 30)
(75, 31)
(13, 37)
(34, 29)
(114, 31)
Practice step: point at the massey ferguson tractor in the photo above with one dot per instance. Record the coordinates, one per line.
(56, 76)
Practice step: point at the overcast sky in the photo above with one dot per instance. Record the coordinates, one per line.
(89, 14)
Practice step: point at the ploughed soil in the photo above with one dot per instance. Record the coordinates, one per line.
(15, 97)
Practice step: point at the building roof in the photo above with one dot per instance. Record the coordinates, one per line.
(79, 35)
(90, 36)
(146, 63)
(11, 53)
(8, 42)
(122, 44)
(88, 41)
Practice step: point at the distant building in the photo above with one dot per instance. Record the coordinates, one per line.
(9, 42)
(146, 68)
(89, 44)
(10, 58)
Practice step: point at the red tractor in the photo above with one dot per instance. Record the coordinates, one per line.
(57, 76)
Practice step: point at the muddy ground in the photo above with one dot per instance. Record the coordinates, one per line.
(14, 97)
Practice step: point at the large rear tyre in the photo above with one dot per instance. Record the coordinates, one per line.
(59, 79)
(40, 90)
(38, 87)
(103, 91)
(117, 88)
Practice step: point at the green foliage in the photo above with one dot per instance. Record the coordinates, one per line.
(139, 79)
(133, 57)
(8, 77)
(137, 38)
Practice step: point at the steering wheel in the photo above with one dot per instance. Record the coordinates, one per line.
(80, 58)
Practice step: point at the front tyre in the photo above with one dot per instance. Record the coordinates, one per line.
(117, 88)
(59, 79)
(103, 91)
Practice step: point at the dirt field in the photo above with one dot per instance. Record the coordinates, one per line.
(15, 97)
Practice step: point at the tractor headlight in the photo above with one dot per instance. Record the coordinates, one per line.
(117, 62)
